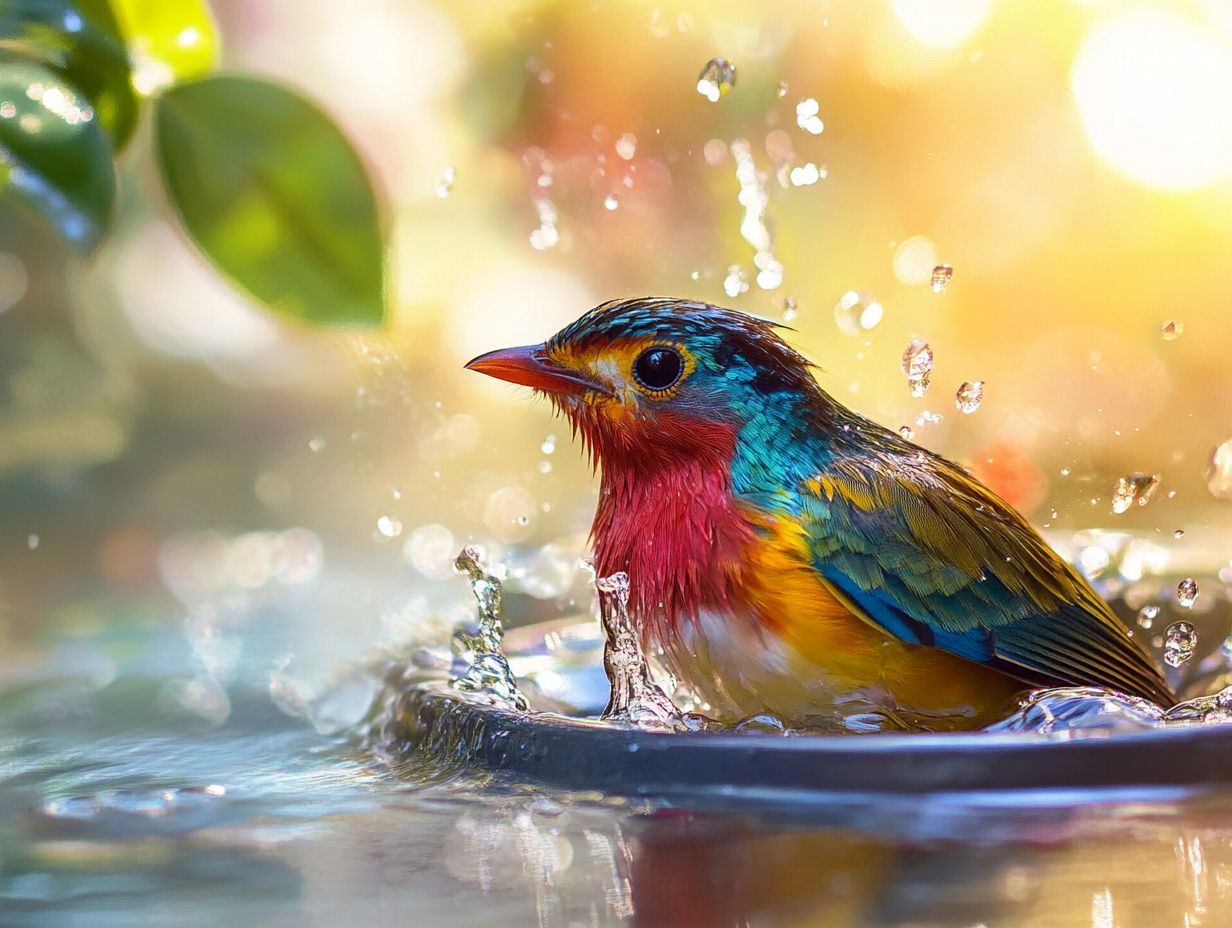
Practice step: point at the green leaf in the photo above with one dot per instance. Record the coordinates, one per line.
(53, 150)
(81, 40)
(275, 196)
(171, 40)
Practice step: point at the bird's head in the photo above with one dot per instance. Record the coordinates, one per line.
(649, 381)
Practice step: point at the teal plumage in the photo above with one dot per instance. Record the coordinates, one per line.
(801, 511)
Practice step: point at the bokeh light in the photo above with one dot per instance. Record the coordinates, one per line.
(1152, 87)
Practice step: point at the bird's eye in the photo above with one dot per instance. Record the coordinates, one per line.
(657, 368)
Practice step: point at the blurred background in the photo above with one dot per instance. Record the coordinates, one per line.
(207, 513)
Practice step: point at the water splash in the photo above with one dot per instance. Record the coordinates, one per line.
(807, 174)
(807, 117)
(1147, 616)
(479, 664)
(1172, 329)
(717, 79)
(1219, 471)
(917, 364)
(856, 313)
(1080, 708)
(636, 698)
(969, 396)
(1131, 488)
(736, 282)
(1180, 640)
(753, 227)
(1187, 592)
(941, 278)
(445, 185)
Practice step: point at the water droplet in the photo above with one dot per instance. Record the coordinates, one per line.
(445, 184)
(316, 444)
(789, 309)
(716, 79)
(969, 396)
(1179, 642)
(906, 431)
(611, 202)
(1219, 471)
(546, 235)
(548, 445)
(736, 282)
(805, 175)
(389, 526)
(626, 146)
(856, 313)
(1147, 616)
(927, 418)
(1172, 330)
(1140, 487)
(753, 226)
(917, 364)
(1187, 592)
(941, 277)
(1178, 533)
(807, 118)
(32, 541)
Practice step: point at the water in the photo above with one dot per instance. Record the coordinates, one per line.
(807, 117)
(857, 313)
(123, 806)
(940, 278)
(969, 396)
(917, 364)
(717, 79)
(1133, 488)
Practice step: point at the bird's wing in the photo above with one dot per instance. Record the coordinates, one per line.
(920, 549)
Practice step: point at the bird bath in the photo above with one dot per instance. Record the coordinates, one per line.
(547, 728)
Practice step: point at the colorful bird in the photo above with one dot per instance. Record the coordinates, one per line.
(792, 557)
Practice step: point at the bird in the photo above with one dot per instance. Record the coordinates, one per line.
(789, 557)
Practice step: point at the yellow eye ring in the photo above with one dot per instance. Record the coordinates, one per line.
(660, 368)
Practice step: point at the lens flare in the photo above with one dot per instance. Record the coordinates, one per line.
(1151, 86)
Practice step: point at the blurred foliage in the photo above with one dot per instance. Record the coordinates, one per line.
(57, 160)
(270, 189)
(266, 185)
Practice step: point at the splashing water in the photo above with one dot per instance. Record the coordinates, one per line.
(1078, 709)
(941, 278)
(1219, 471)
(856, 313)
(1172, 329)
(717, 79)
(753, 227)
(636, 698)
(807, 117)
(1187, 592)
(1147, 616)
(445, 184)
(969, 396)
(917, 364)
(736, 282)
(1179, 642)
(807, 174)
(1133, 488)
(479, 665)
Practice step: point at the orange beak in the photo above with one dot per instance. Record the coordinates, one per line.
(531, 366)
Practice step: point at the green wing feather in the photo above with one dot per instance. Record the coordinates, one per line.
(928, 554)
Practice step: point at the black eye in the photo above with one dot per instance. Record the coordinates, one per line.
(657, 368)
